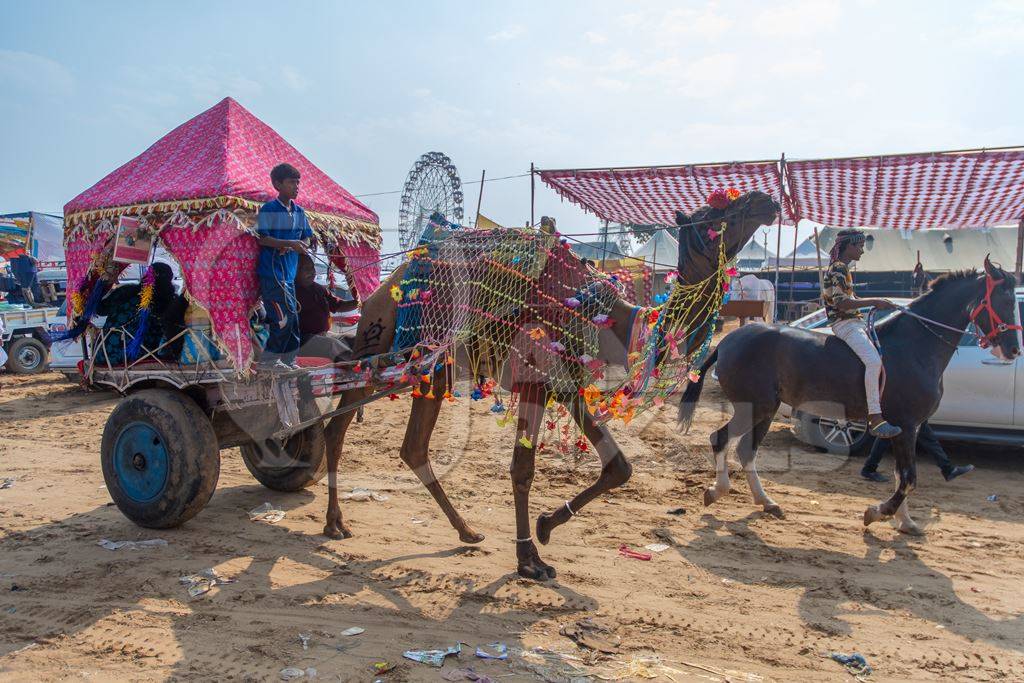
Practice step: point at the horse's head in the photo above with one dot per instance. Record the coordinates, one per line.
(995, 314)
(701, 232)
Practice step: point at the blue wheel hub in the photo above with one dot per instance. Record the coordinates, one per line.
(140, 461)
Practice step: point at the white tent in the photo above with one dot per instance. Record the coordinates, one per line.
(660, 253)
(753, 256)
(806, 256)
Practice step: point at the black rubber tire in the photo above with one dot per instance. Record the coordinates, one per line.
(35, 348)
(303, 463)
(193, 464)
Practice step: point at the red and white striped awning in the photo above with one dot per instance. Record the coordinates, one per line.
(651, 196)
(913, 191)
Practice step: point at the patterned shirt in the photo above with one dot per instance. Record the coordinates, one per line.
(838, 287)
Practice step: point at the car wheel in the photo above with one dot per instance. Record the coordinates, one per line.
(27, 356)
(839, 437)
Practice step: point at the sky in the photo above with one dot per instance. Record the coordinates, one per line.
(363, 89)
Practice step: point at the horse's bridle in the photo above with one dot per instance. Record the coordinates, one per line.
(998, 326)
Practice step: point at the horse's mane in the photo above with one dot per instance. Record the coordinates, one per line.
(952, 276)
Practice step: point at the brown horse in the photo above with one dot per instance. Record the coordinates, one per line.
(698, 261)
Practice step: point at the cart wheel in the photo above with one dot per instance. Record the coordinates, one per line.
(160, 458)
(299, 464)
(27, 356)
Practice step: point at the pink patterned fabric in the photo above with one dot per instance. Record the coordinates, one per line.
(225, 151)
(218, 263)
(78, 256)
(653, 195)
(914, 191)
(361, 264)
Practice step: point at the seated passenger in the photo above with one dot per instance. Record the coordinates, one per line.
(166, 318)
(315, 307)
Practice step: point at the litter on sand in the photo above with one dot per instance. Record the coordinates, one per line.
(304, 639)
(266, 513)
(291, 673)
(132, 545)
(6, 482)
(381, 667)
(993, 498)
(361, 495)
(656, 547)
(626, 551)
(640, 666)
(432, 657)
(203, 582)
(854, 663)
(354, 631)
(592, 635)
(492, 651)
(677, 511)
(665, 535)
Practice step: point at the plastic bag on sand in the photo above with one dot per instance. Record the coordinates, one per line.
(291, 673)
(6, 482)
(432, 657)
(492, 651)
(266, 513)
(203, 582)
(362, 495)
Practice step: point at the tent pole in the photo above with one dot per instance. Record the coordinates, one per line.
(1020, 249)
(821, 275)
(479, 197)
(792, 272)
(604, 246)
(532, 192)
(778, 241)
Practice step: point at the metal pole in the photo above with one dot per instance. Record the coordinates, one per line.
(532, 191)
(792, 272)
(1020, 249)
(778, 242)
(604, 245)
(821, 275)
(480, 197)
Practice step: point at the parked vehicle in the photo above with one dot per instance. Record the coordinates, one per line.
(982, 401)
(25, 338)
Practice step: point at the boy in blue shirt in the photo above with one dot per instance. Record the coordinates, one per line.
(283, 233)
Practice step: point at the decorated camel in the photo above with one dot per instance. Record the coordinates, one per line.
(516, 306)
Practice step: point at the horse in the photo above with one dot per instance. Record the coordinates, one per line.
(760, 366)
(699, 259)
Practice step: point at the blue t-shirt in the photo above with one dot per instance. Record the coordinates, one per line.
(274, 220)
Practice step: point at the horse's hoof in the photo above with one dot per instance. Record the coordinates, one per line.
(544, 526)
(337, 532)
(775, 511)
(910, 529)
(467, 535)
(872, 514)
(709, 496)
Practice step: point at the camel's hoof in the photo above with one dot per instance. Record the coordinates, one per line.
(709, 496)
(469, 536)
(775, 511)
(545, 523)
(872, 514)
(337, 532)
(910, 529)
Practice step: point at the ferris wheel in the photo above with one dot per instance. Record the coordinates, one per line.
(433, 185)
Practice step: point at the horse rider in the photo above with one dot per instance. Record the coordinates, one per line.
(842, 307)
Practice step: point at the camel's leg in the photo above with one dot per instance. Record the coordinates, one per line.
(719, 442)
(747, 452)
(615, 471)
(416, 454)
(903, 447)
(334, 436)
(531, 414)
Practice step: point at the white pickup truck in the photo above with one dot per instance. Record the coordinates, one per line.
(24, 335)
(982, 399)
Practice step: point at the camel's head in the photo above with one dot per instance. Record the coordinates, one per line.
(733, 220)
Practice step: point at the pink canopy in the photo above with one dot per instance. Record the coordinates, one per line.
(200, 186)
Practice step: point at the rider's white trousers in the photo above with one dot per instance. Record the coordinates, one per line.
(855, 334)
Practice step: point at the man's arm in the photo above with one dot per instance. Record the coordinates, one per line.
(298, 246)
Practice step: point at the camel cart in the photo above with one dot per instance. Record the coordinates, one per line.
(191, 200)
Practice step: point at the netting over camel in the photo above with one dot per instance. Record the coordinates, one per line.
(523, 315)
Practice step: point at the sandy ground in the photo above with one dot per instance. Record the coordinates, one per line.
(741, 597)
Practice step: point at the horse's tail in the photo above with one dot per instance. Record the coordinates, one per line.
(688, 403)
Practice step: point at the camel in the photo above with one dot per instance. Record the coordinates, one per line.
(699, 259)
